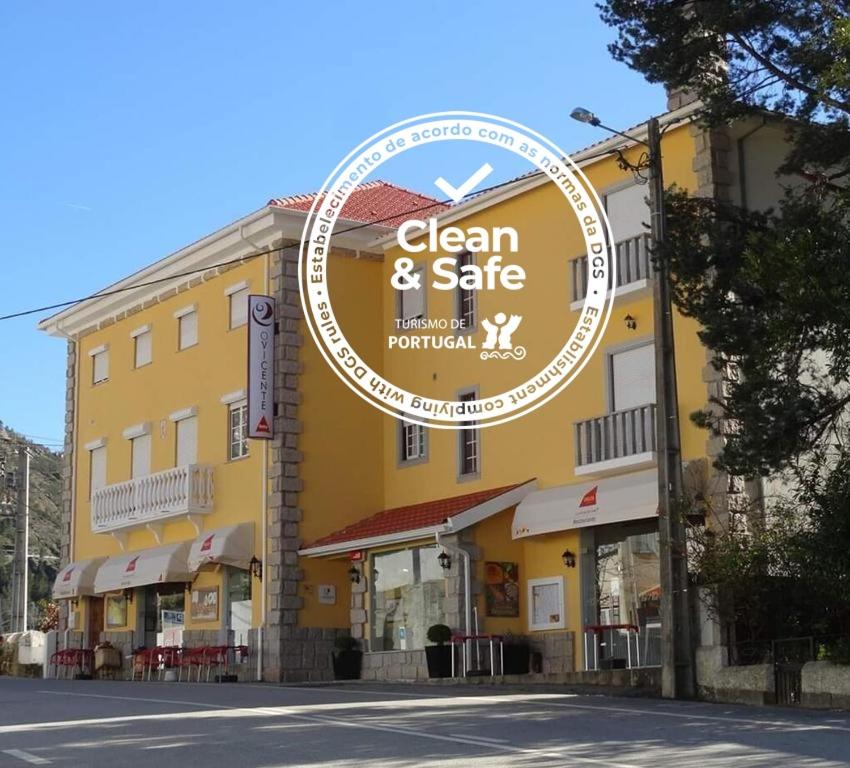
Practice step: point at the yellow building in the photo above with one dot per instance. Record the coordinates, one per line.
(181, 531)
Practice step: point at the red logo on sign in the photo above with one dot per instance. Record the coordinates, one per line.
(589, 499)
(262, 425)
(356, 556)
(131, 566)
(67, 576)
(207, 545)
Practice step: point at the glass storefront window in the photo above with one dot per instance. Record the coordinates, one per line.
(408, 591)
(239, 600)
(628, 592)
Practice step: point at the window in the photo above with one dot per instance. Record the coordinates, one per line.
(408, 590)
(99, 365)
(238, 295)
(140, 456)
(412, 442)
(632, 377)
(469, 442)
(97, 469)
(239, 600)
(238, 431)
(142, 341)
(410, 303)
(627, 211)
(186, 439)
(187, 328)
(466, 309)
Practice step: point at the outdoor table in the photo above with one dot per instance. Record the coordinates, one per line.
(598, 629)
(464, 642)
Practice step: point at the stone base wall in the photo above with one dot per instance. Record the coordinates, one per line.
(557, 650)
(753, 684)
(395, 665)
(826, 685)
(305, 654)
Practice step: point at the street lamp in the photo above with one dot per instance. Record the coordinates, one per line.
(677, 675)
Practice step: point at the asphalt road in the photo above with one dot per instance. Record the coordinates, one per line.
(124, 725)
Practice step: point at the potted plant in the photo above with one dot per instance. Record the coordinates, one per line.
(348, 658)
(439, 655)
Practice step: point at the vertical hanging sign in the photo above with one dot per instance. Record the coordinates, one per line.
(260, 367)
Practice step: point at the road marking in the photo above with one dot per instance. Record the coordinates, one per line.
(479, 738)
(26, 756)
(458, 193)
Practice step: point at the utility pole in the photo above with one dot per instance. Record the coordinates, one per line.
(677, 668)
(678, 678)
(20, 565)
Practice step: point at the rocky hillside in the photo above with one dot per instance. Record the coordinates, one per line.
(45, 507)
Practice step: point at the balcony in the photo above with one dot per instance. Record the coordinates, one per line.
(632, 269)
(151, 500)
(622, 439)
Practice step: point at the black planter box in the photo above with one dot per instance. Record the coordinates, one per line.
(517, 656)
(439, 660)
(347, 665)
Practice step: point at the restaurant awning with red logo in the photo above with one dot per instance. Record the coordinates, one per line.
(76, 579)
(231, 545)
(157, 565)
(625, 497)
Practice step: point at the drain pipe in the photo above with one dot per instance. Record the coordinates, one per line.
(467, 580)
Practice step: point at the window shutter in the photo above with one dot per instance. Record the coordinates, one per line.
(633, 373)
(627, 211)
(187, 441)
(239, 308)
(143, 349)
(100, 367)
(98, 469)
(188, 330)
(141, 450)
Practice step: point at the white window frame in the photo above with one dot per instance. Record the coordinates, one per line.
(98, 354)
(406, 437)
(418, 269)
(140, 336)
(466, 301)
(93, 448)
(610, 354)
(242, 407)
(234, 293)
(462, 441)
(182, 417)
(182, 315)
(558, 582)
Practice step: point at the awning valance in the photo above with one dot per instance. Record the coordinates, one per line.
(626, 497)
(232, 545)
(76, 579)
(147, 566)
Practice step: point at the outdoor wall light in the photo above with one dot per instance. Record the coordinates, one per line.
(445, 560)
(255, 567)
(354, 574)
(630, 322)
(569, 558)
(584, 116)
(129, 594)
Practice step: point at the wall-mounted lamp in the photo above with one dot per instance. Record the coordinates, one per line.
(255, 567)
(445, 560)
(129, 595)
(354, 574)
(569, 559)
(630, 322)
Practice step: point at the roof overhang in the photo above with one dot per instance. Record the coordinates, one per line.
(246, 236)
(453, 524)
(534, 179)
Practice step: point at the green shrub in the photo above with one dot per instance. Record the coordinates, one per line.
(439, 634)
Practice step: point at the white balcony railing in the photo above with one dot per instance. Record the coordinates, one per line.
(632, 263)
(617, 435)
(150, 499)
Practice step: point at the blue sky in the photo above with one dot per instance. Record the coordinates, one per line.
(130, 130)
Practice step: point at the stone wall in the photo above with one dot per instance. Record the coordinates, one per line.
(752, 684)
(395, 665)
(557, 650)
(826, 685)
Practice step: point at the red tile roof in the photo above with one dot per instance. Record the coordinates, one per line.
(376, 202)
(411, 518)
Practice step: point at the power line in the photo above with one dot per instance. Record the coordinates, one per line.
(257, 254)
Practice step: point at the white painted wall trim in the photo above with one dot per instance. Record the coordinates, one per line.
(183, 413)
(95, 444)
(231, 289)
(636, 461)
(97, 350)
(137, 430)
(185, 311)
(233, 397)
(139, 331)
